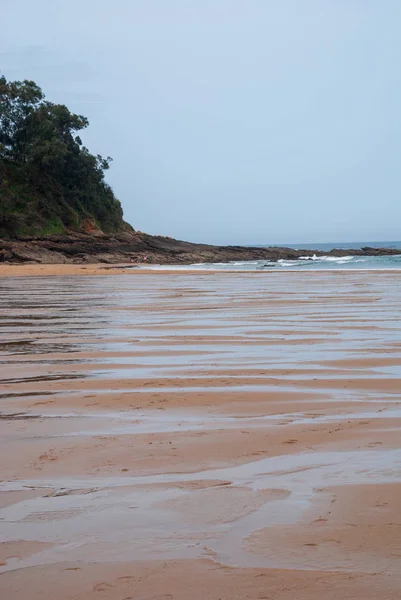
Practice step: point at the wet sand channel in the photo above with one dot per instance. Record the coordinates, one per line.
(200, 435)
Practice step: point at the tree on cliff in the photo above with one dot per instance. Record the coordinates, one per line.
(49, 181)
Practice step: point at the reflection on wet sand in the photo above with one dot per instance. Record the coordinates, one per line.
(242, 429)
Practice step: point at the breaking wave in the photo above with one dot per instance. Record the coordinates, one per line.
(304, 263)
(337, 259)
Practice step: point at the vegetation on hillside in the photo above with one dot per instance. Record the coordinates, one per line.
(49, 181)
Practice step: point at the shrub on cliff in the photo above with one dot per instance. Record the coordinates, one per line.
(49, 181)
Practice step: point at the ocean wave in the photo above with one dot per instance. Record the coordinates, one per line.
(287, 263)
(304, 263)
(337, 259)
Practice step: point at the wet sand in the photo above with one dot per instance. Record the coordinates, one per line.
(199, 435)
(41, 270)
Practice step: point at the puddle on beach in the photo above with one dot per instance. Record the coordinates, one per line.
(67, 343)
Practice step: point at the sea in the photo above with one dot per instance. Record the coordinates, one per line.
(307, 263)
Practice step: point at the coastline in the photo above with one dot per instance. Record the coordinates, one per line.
(136, 247)
(97, 269)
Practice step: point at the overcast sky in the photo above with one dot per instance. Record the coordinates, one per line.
(229, 121)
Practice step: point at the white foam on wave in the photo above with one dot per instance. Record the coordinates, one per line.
(303, 263)
(337, 259)
(287, 263)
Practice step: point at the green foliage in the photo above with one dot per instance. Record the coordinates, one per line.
(49, 181)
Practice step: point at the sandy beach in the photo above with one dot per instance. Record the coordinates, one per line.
(192, 435)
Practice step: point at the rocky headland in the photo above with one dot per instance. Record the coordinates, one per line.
(138, 247)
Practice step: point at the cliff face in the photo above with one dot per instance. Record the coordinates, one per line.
(32, 209)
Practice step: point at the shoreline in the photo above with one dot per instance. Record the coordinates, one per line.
(47, 270)
(135, 247)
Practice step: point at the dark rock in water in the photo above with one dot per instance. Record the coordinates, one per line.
(137, 247)
(368, 251)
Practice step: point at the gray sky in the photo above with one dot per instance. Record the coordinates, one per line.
(229, 121)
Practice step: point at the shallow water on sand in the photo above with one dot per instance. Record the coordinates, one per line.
(200, 416)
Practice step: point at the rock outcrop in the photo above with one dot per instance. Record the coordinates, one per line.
(137, 247)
